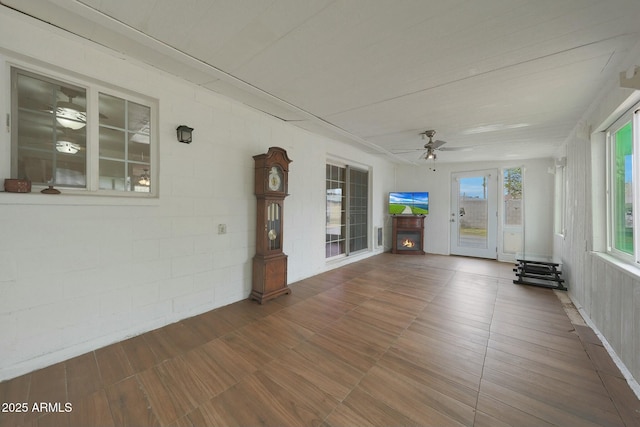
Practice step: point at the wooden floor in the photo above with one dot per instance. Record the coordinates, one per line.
(392, 340)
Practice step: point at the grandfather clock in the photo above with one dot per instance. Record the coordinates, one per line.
(270, 263)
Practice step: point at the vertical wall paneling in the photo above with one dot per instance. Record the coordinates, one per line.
(606, 291)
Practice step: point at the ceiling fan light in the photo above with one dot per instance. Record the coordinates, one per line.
(145, 179)
(67, 147)
(70, 116)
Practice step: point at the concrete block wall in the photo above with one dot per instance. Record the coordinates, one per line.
(78, 272)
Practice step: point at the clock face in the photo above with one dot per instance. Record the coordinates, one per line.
(275, 179)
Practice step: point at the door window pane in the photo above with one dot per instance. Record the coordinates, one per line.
(358, 202)
(512, 196)
(336, 213)
(472, 212)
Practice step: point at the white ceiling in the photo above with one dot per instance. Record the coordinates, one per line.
(508, 77)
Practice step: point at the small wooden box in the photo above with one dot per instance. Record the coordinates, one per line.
(17, 186)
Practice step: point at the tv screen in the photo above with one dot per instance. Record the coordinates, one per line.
(409, 203)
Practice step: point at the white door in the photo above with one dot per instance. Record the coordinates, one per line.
(474, 213)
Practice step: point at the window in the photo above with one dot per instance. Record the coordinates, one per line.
(59, 139)
(560, 202)
(512, 196)
(622, 140)
(347, 201)
(51, 134)
(125, 148)
(622, 191)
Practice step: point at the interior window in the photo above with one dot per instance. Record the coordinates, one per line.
(50, 136)
(51, 144)
(125, 145)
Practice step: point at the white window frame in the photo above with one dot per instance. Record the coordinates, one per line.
(560, 203)
(93, 88)
(633, 116)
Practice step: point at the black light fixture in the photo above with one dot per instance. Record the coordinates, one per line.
(184, 134)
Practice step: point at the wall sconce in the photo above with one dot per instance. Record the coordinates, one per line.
(184, 134)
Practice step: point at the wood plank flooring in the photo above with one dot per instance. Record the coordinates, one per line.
(391, 340)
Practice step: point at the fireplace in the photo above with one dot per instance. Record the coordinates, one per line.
(408, 233)
(408, 241)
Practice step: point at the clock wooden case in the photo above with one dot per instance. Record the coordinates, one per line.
(270, 262)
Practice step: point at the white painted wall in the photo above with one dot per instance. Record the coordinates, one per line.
(606, 291)
(80, 272)
(538, 195)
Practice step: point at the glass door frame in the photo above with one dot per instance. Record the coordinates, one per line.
(355, 198)
(490, 250)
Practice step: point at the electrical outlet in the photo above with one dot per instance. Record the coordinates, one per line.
(222, 228)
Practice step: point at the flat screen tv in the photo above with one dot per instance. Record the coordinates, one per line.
(408, 203)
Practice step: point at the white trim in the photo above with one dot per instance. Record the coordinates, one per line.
(78, 197)
(621, 265)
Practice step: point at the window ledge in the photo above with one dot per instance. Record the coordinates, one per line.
(76, 198)
(625, 267)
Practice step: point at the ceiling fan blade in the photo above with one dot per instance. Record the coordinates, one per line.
(456, 148)
(437, 144)
(406, 150)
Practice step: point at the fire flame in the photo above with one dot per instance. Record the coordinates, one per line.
(408, 243)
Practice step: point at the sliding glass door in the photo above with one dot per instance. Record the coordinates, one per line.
(347, 201)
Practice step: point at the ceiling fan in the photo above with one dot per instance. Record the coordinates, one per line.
(431, 146)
